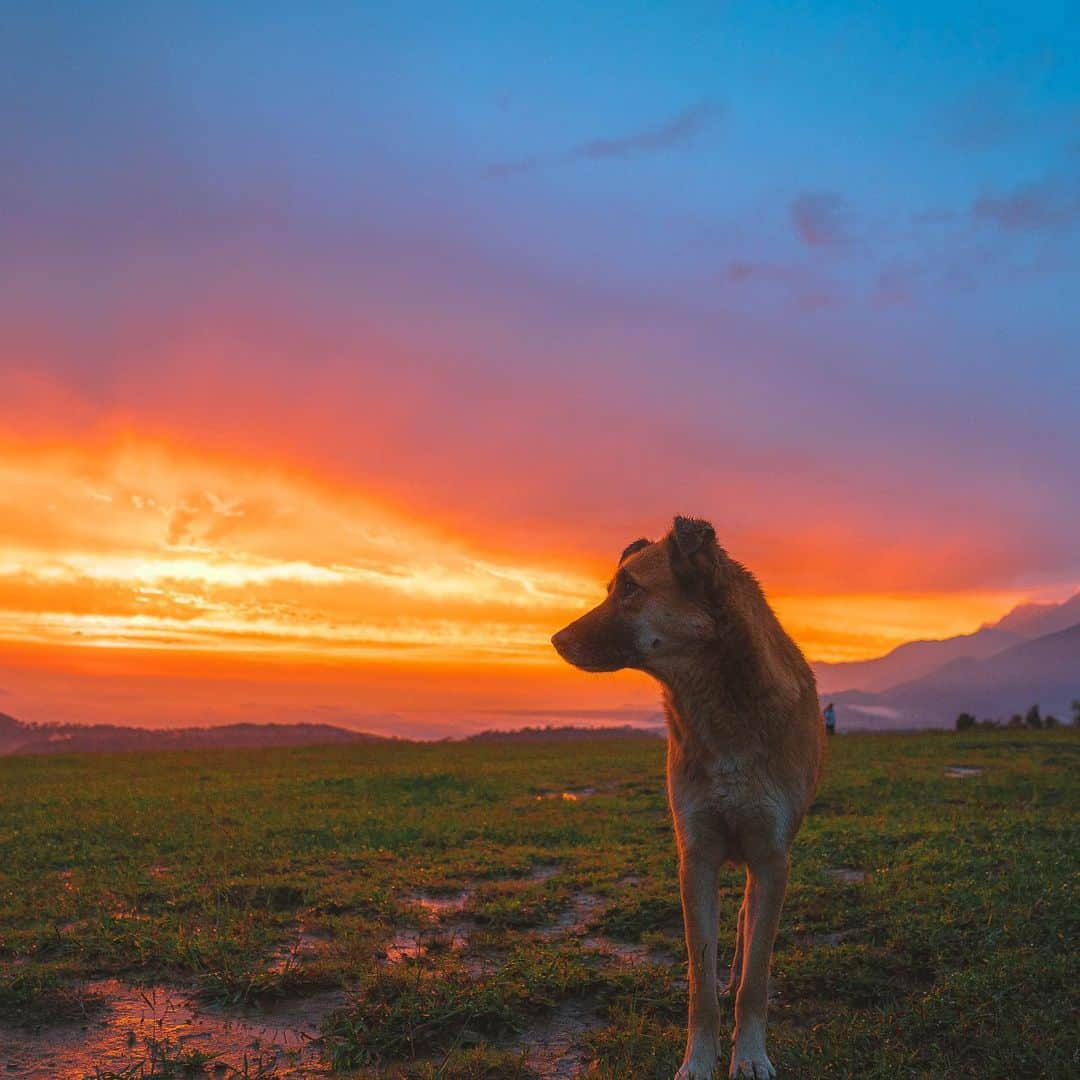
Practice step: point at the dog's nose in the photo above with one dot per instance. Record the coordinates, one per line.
(558, 639)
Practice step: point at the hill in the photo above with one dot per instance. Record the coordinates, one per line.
(1044, 671)
(570, 733)
(17, 737)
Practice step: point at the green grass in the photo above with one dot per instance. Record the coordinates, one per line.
(954, 955)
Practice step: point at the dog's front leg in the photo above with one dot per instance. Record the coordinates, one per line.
(765, 896)
(698, 867)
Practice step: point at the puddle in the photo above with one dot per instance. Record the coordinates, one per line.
(831, 938)
(847, 875)
(570, 795)
(307, 944)
(128, 1020)
(416, 944)
(962, 772)
(553, 1046)
(438, 905)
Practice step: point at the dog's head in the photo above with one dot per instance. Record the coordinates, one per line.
(660, 606)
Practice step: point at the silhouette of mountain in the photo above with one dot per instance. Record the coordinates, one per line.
(1044, 671)
(918, 658)
(561, 734)
(17, 737)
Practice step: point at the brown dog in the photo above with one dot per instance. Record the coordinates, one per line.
(745, 744)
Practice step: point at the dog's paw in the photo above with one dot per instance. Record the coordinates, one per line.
(758, 1067)
(699, 1063)
(696, 1070)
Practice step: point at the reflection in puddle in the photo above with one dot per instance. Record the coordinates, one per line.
(307, 943)
(847, 875)
(438, 905)
(128, 1022)
(416, 944)
(571, 795)
(961, 772)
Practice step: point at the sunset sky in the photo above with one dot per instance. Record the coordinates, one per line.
(343, 347)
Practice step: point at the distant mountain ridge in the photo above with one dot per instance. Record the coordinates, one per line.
(916, 659)
(1044, 671)
(17, 737)
(570, 733)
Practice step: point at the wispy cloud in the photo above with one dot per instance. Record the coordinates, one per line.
(1045, 205)
(806, 289)
(821, 218)
(677, 130)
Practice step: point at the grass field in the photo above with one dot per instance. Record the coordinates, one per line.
(487, 910)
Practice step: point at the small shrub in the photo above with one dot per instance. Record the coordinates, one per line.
(965, 722)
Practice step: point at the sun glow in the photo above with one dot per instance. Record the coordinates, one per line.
(142, 545)
(151, 583)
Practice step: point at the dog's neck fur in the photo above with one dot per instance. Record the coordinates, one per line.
(730, 697)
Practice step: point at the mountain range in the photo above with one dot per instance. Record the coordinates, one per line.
(18, 737)
(1031, 656)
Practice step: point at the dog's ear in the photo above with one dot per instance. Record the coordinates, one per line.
(694, 552)
(691, 535)
(633, 549)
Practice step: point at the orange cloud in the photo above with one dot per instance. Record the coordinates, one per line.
(151, 583)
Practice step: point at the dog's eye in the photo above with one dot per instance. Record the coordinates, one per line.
(628, 586)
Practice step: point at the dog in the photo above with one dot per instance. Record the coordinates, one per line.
(744, 753)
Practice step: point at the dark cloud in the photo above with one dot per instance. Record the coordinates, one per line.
(1046, 205)
(678, 130)
(821, 218)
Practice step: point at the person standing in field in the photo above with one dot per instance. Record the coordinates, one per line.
(830, 719)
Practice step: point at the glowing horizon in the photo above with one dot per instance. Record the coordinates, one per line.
(133, 547)
(341, 356)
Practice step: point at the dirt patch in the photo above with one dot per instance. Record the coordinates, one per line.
(574, 920)
(130, 1024)
(553, 1045)
(962, 772)
(628, 952)
(543, 871)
